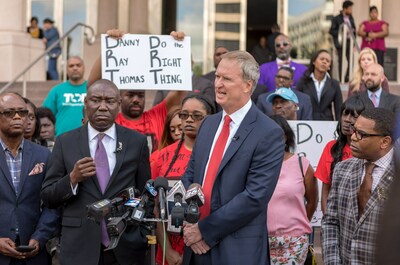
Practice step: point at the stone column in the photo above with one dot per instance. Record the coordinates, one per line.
(18, 49)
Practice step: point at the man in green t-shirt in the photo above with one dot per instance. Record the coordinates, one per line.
(66, 99)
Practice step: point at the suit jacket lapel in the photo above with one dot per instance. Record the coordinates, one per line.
(241, 134)
(384, 100)
(4, 169)
(119, 154)
(326, 88)
(26, 163)
(85, 151)
(355, 183)
(380, 193)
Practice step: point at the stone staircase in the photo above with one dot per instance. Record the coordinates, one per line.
(36, 91)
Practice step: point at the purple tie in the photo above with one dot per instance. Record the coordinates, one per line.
(103, 176)
(373, 99)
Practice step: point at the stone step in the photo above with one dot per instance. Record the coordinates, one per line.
(36, 91)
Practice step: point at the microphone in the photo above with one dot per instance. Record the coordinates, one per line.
(161, 184)
(178, 210)
(139, 212)
(195, 193)
(194, 197)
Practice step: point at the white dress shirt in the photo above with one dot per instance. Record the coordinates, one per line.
(237, 118)
(109, 142)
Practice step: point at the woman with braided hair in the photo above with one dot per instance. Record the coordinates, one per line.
(172, 162)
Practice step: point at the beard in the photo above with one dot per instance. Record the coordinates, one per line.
(371, 86)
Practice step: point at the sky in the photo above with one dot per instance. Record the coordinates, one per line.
(190, 21)
(297, 7)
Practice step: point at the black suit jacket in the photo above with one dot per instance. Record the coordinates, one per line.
(331, 93)
(80, 237)
(334, 30)
(387, 101)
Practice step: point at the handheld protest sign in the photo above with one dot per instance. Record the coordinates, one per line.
(151, 62)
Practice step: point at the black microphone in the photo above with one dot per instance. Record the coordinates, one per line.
(194, 197)
(178, 212)
(161, 184)
(139, 212)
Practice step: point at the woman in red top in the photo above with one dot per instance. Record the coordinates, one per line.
(172, 132)
(172, 163)
(339, 149)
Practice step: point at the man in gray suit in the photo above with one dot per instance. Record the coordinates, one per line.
(360, 186)
(373, 77)
(91, 163)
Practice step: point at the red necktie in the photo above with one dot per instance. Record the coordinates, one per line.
(213, 165)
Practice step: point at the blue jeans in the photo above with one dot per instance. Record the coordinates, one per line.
(52, 69)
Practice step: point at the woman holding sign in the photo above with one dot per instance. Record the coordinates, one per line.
(172, 162)
(339, 149)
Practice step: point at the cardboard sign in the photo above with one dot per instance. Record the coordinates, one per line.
(311, 138)
(154, 62)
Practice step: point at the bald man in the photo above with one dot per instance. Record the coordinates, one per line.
(373, 77)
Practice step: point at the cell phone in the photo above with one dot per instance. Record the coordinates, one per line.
(25, 248)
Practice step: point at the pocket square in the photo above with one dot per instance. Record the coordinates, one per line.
(38, 168)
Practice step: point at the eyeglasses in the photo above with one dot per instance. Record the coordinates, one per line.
(31, 117)
(282, 77)
(11, 113)
(360, 134)
(195, 116)
(284, 44)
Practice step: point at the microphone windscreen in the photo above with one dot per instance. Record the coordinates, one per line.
(161, 182)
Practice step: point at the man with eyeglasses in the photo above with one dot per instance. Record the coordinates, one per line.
(268, 70)
(360, 187)
(23, 222)
(284, 78)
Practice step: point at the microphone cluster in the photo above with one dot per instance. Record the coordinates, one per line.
(129, 209)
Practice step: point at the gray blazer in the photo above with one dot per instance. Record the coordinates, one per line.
(346, 239)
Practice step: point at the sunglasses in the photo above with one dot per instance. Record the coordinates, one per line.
(282, 77)
(195, 116)
(284, 44)
(11, 113)
(360, 134)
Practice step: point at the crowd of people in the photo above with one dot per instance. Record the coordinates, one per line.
(90, 140)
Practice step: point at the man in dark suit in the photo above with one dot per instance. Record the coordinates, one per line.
(373, 77)
(360, 187)
(346, 17)
(23, 166)
(284, 78)
(91, 163)
(237, 159)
